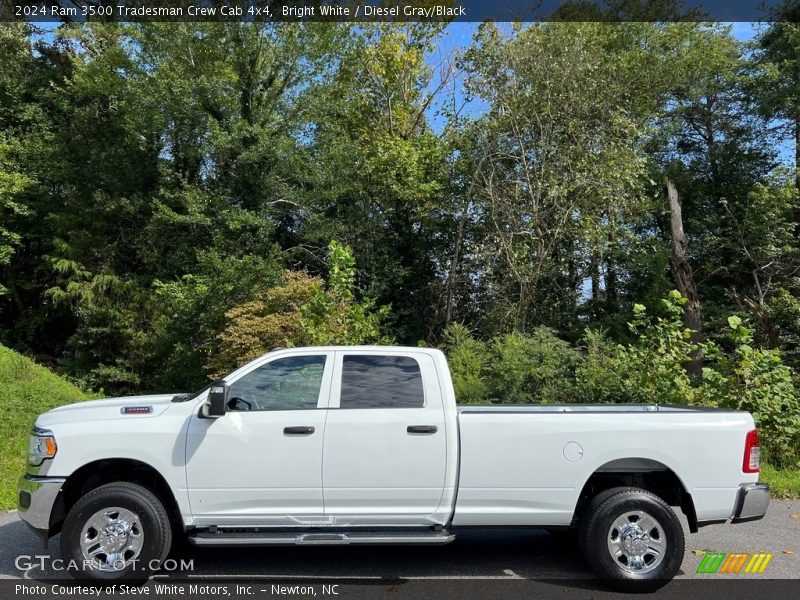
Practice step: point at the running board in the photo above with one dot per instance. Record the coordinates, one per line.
(320, 539)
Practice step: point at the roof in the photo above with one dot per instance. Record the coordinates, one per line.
(373, 348)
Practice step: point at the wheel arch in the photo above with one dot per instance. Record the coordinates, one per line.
(646, 473)
(108, 470)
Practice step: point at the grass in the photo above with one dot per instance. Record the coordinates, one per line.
(28, 390)
(784, 483)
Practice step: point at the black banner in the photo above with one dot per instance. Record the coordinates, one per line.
(391, 589)
(82, 11)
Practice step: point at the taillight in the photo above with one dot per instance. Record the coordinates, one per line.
(752, 453)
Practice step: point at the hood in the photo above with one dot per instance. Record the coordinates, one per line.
(109, 408)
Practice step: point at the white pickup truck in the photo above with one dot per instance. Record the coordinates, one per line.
(365, 445)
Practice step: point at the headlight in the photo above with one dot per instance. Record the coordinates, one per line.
(41, 446)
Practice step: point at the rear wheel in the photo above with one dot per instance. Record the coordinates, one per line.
(632, 539)
(118, 531)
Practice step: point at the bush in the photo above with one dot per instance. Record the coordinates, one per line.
(515, 367)
(651, 369)
(468, 359)
(274, 318)
(300, 311)
(334, 316)
(539, 367)
(757, 381)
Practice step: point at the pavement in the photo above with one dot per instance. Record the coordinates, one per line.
(477, 560)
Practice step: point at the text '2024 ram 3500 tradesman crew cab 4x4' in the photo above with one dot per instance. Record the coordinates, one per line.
(366, 445)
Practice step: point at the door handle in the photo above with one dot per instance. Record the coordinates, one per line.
(422, 429)
(303, 430)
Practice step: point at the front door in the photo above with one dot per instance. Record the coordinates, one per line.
(261, 463)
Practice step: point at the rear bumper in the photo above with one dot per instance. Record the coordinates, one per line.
(751, 503)
(35, 499)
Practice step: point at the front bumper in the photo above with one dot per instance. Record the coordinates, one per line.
(751, 503)
(35, 499)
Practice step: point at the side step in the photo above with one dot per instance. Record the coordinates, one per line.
(320, 539)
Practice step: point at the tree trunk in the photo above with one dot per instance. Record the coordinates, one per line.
(611, 277)
(611, 282)
(572, 269)
(594, 274)
(682, 273)
(797, 150)
(451, 275)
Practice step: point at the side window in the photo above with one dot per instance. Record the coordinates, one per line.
(381, 382)
(291, 383)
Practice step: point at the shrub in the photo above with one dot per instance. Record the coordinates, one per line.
(274, 318)
(469, 360)
(651, 369)
(757, 381)
(515, 367)
(301, 311)
(537, 367)
(333, 315)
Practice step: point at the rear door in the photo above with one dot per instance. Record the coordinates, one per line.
(385, 453)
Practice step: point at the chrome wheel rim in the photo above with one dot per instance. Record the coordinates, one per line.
(636, 542)
(112, 539)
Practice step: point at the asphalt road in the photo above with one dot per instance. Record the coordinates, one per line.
(479, 560)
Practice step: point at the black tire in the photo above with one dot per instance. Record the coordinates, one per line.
(153, 524)
(596, 528)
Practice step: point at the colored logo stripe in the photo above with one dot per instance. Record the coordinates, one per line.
(758, 563)
(734, 562)
(721, 562)
(711, 562)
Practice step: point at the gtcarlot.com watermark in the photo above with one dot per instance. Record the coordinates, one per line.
(25, 562)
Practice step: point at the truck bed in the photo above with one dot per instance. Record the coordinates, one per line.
(527, 464)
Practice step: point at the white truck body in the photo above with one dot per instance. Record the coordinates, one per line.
(321, 466)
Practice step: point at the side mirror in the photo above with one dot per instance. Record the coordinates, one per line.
(216, 403)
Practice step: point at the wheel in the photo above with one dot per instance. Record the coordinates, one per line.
(118, 531)
(631, 539)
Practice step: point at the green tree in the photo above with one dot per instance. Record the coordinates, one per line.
(300, 310)
(333, 315)
(272, 319)
(777, 58)
(381, 170)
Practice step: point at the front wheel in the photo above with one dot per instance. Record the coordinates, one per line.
(118, 531)
(632, 539)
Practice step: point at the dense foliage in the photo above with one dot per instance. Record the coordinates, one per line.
(300, 311)
(168, 197)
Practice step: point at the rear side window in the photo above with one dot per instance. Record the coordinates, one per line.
(381, 382)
